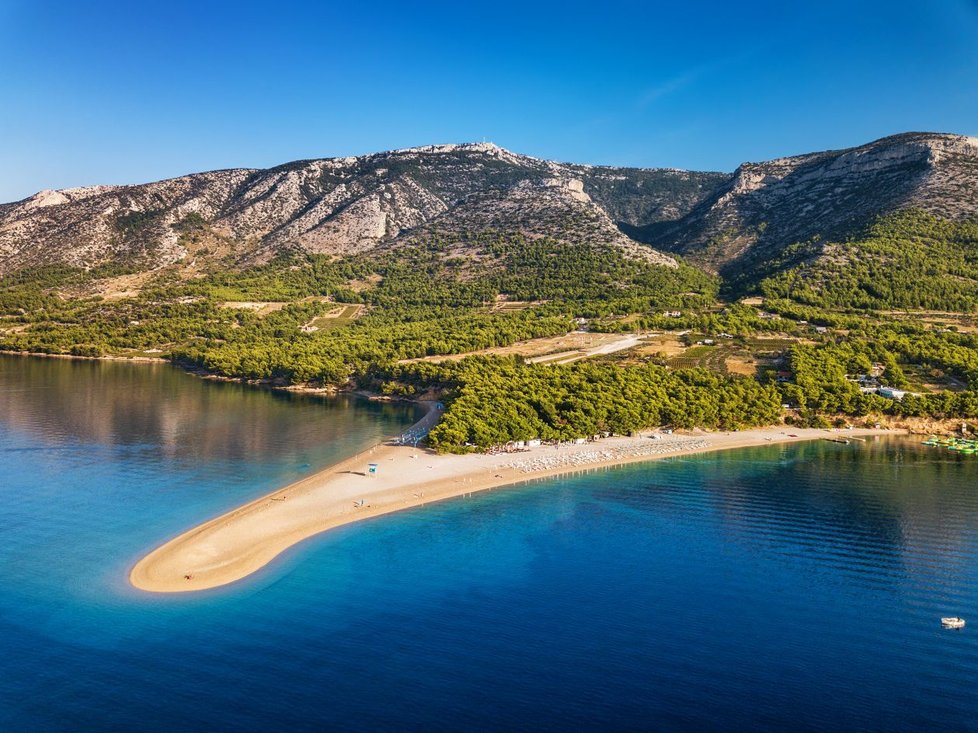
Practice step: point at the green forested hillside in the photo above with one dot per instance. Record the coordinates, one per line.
(910, 260)
(418, 301)
(499, 400)
(822, 325)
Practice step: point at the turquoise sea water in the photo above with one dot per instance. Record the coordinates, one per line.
(781, 588)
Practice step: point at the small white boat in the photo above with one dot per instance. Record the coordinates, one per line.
(952, 622)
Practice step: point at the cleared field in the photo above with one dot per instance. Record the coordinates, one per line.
(358, 286)
(511, 306)
(713, 358)
(123, 286)
(775, 344)
(741, 363)
(503, 304)
(5, 329)
(340, 316)
(963, 323)
(561, 357)
(554, 349)
(923, 379)
(727, 356)
(621, 344)
(665, 343)
(264, 307)
(734, 356)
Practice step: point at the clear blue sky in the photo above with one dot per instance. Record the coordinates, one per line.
(119, 92)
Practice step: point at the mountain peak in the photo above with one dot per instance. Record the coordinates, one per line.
(724, 222)
(483, 147)
(832, 194)
(346, 205)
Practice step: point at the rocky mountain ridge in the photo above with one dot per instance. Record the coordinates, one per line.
(340, 206)
(729, 223)
(749, 220)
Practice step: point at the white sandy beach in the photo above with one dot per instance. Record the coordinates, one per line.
(236, 544)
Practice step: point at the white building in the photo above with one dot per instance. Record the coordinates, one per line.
(893, 394)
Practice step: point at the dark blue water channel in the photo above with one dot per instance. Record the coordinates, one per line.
(779, 588)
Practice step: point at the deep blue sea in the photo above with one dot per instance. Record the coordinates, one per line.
(776, 589)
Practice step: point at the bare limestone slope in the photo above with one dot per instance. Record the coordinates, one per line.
(767, 206)
(339, 206)
(741, 225)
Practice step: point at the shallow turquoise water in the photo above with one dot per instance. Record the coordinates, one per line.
(782, 588)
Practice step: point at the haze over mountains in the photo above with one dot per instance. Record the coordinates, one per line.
(723, 222)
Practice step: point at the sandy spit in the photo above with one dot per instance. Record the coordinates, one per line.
(234, 545)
